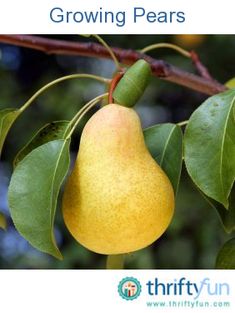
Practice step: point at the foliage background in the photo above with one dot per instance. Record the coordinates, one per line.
(196, 234)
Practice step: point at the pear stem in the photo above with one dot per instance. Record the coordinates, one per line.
(114, 83)
(115, 262)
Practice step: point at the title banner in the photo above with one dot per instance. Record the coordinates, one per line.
(117, 17)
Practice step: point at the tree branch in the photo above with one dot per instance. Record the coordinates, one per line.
(160, 68)
(202, 70)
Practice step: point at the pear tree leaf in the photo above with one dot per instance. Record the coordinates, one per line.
(231, 83)
(226, 256)
(3, 222)
(49, 132)
(7, 118)
(209, 146)
(33, 193)
(164, 142)
(227, 217)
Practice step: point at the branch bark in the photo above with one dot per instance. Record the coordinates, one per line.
(160, 68)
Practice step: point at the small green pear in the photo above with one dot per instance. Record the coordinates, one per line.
(117, 199)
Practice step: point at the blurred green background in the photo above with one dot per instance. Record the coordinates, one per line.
(196, 234)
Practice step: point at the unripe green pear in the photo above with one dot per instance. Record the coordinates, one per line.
(117, 199)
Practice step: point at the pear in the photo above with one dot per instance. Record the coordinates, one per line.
(117, 199)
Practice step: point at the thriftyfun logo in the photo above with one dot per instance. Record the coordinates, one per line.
(186, 287)
(129, 288)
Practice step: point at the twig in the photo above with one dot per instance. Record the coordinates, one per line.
(202, 70)
(160, 68)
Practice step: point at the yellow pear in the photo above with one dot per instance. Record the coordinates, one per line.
(117, 199)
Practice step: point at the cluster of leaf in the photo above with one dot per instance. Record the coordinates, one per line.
(209, 155)
(207, 147)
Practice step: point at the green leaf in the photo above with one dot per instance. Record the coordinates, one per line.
(164, 142)
(231, 83)
(3, 222)
(33, 193)
(52, 131)
(7, 118)
(226, 256)
(227, 217)
(209, 146)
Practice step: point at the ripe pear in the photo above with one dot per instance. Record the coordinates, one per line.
(117, 199)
